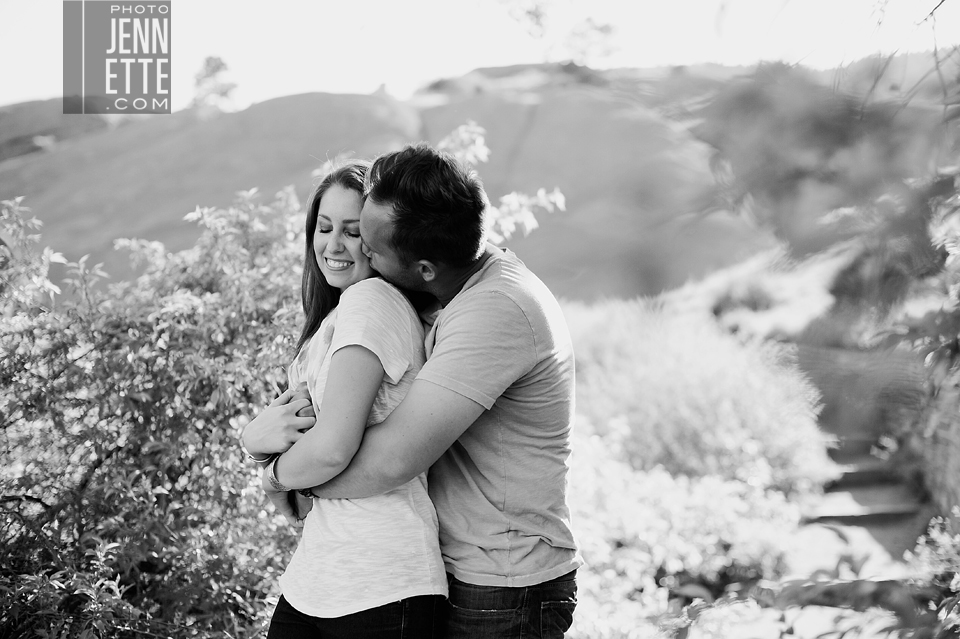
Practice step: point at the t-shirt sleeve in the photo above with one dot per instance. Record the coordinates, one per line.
(293, 375)
(483, 345)
(375, 315)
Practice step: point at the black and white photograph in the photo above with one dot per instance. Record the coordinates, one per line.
(480, 319)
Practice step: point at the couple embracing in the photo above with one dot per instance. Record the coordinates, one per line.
(434, 459)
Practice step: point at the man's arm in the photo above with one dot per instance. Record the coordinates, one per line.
(425, 424)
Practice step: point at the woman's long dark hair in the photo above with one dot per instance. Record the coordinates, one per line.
(318, 297)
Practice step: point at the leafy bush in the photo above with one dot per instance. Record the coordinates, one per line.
(923, 605)
(648, 537)
(684, 395)
(936, 559)
(689, 449)
(127, 504)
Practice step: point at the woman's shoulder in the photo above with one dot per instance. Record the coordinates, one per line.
(373, 298)
(373, 312)
(377, 288)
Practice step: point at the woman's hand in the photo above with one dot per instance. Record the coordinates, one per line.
(278, 426)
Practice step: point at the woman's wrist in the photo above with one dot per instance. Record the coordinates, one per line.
(255, 456)
(271, 470)
(263, 459)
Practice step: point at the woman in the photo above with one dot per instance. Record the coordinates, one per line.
(364, 567)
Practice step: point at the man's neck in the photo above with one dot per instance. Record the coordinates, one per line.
(452, 281)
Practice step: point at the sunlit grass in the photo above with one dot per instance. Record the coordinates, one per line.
(682, 394)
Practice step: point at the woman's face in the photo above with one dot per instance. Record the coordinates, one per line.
(336, 241)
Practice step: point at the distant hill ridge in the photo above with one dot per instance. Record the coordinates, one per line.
(28, 127)
(629, 172)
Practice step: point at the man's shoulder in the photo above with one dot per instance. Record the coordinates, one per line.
(507, 289)
(507, 275)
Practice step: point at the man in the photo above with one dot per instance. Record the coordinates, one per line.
(489, 414)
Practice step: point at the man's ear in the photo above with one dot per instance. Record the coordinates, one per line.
(427, 270)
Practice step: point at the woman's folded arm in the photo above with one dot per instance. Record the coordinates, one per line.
(325, 450)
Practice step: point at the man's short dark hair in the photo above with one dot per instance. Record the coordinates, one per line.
(438, 204)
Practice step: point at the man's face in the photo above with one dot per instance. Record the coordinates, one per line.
(376, 230)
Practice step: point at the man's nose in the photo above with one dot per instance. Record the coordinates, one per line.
(365, 249)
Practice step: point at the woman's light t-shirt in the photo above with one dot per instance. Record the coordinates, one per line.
(357, 554)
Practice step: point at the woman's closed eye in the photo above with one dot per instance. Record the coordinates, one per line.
(351, 233)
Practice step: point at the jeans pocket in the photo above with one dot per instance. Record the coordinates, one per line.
(465, 622)
(556, 617)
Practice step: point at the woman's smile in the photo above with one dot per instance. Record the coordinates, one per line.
(337, 265)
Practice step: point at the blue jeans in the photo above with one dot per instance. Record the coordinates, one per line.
(543, 611)
(410, 618)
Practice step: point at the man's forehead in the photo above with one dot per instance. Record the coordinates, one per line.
(374, 214)
(375, 219)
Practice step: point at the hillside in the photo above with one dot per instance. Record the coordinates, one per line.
(29, 127)
(140, 179)
(629, 173)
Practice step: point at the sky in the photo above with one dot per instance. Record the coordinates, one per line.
(282, 47)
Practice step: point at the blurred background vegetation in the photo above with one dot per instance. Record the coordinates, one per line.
(759, 270)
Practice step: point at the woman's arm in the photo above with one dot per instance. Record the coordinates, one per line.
(353, 380)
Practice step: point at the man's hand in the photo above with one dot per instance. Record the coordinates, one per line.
(301, 504)
(281, 424)
(282, 503)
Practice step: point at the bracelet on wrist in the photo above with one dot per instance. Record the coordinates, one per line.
(251, 457)
(271, 470)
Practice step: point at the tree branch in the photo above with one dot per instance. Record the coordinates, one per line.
(876, 80)
(76, 494)
(933, 11)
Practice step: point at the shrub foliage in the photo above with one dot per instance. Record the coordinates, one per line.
(686, 396)
(127, 508)
(653, 541)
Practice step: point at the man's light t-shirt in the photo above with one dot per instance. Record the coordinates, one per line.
(500, 490)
